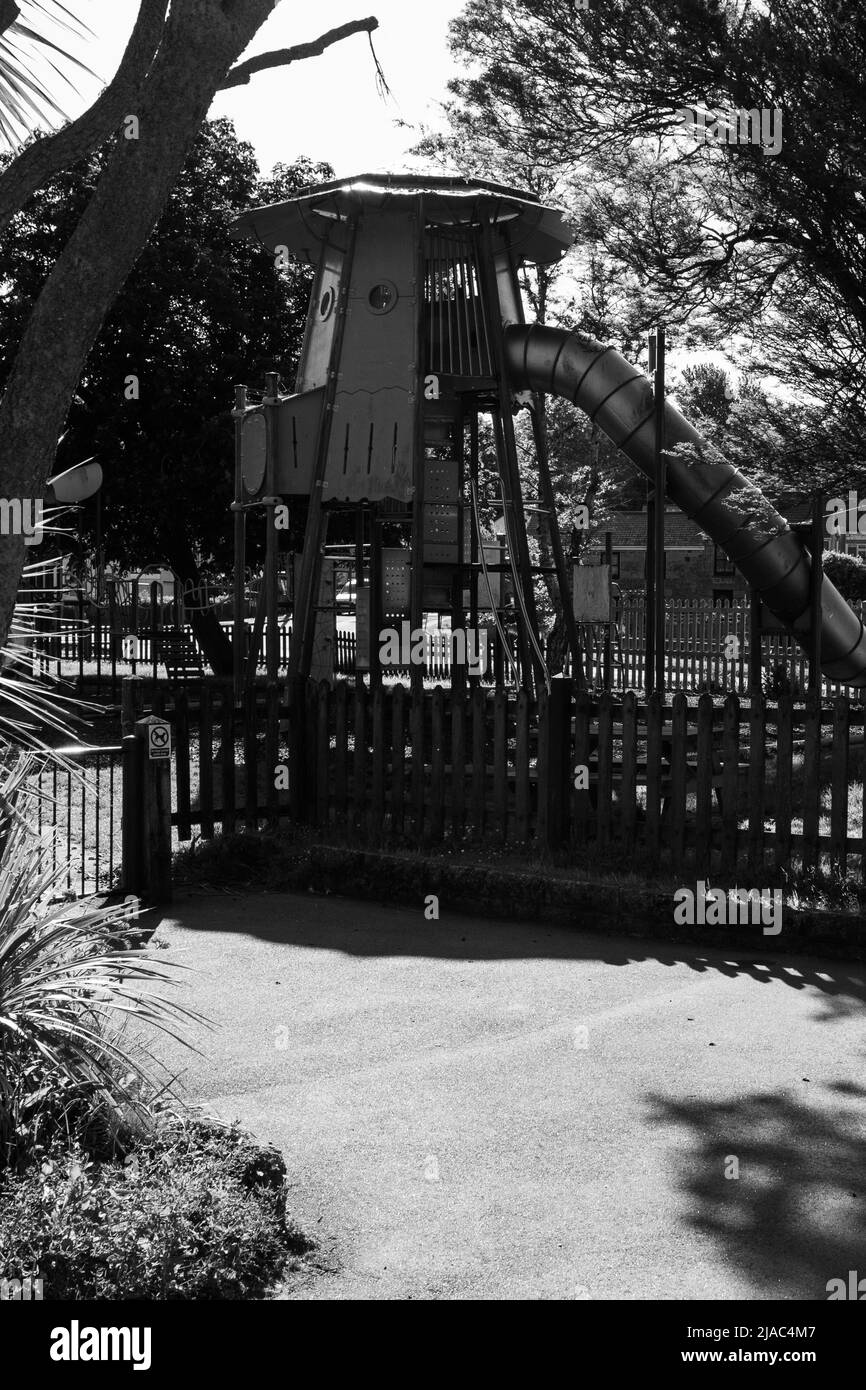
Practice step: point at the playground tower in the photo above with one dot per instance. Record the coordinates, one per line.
(404, 347)
(415, 329)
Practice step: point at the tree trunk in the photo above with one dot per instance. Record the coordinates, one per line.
(205, 624)
(201, 39)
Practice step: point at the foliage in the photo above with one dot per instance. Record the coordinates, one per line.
(847, 572)
(42, 30)
(196, 1211)
(761, 254)
(68, 992)
(705, 223)
(199, 312)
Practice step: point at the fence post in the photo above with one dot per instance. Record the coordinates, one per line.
(151, 818)
(297, 699)
(556, 753)
(131, 702)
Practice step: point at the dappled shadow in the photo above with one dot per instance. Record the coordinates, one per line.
(795, 1217)
(362, 928)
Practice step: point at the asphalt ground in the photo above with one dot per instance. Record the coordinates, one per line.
(480, 1109)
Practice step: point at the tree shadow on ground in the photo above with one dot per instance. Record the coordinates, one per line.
(364, 929)
(795, 1217)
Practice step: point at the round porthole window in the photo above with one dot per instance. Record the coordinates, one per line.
(382, 297)
(326, 304)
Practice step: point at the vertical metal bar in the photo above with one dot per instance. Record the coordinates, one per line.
(239, 616)
(448, 289)
(272, 635)
(464, 323)
(433, 366)
(416, 579)
(475, 291)
(376, 598)
(111, 818)
(440, 301)
(815, 590)
(99, 803)
(608, 560)
(485, 309)
(755, 643)
(660, 463)
(475, 540)
(509, 471)
(82, 841)
(68, 829)
(458, 614)
(548, 500)
(307, 591)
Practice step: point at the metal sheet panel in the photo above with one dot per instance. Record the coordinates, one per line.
(372, 435)
(297, 430)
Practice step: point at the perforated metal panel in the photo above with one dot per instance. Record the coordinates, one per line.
(396, 580)
(440, 534)
(440, 480)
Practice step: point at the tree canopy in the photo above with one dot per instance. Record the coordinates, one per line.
(721, 235)
(199, 312)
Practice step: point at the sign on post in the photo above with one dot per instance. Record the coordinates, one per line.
(158, 741)
(592, 598)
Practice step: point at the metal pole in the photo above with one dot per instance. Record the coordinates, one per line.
(815, 587)
(239, 623)
(272, 635)
(416, 578)
(660, 493)
(608, 662)
(650, 576)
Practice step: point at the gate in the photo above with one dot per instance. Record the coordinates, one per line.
(78, 801)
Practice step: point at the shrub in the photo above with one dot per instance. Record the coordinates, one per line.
(196, 1211)
(847, 572)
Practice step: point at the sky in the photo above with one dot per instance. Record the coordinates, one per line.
(327, 108)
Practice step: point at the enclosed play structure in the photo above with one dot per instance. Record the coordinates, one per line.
(415, 329)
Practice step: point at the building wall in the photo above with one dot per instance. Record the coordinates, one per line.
(688, 574)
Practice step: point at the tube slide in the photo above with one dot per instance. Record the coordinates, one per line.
(733, 512)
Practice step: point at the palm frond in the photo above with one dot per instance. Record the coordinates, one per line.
(66, 988)
(28, 99)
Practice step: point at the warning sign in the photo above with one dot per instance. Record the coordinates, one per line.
(158, 741)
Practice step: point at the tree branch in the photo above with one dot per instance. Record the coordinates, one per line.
(9, 12)
(37, 163)
(238, 76)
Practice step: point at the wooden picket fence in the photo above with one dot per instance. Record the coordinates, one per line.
(709, 786)
(700, 654)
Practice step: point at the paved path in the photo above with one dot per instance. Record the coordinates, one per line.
(474, 1109)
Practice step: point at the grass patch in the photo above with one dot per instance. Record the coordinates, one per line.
(273, 861)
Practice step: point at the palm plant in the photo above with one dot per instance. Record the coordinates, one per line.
(66, 986)
(34, 34)
(66, 989)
